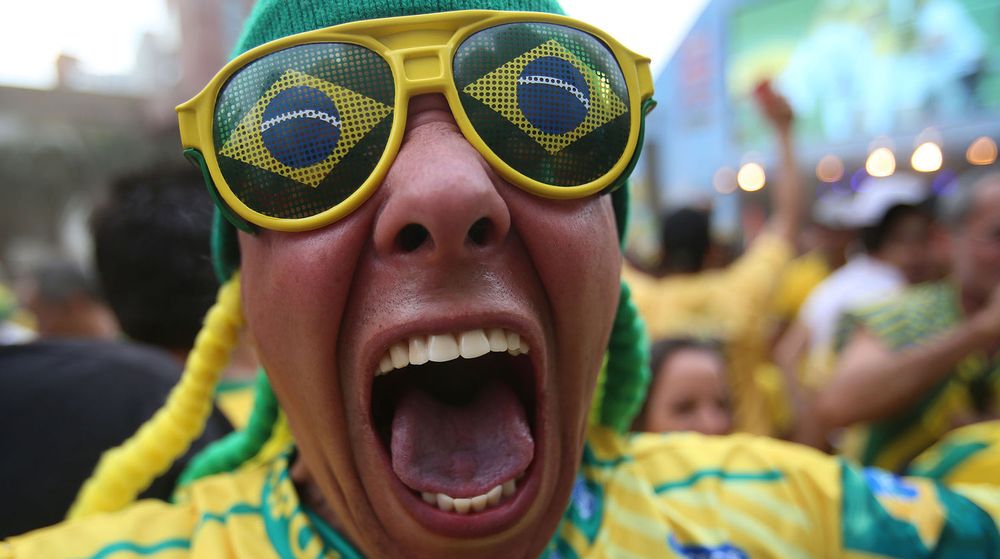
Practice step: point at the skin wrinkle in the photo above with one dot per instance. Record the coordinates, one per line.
(319, 299)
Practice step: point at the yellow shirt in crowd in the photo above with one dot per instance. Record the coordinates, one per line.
(731, 305)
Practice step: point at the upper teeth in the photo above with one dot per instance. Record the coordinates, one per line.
(447, 347)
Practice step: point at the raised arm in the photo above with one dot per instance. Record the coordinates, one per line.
(871, 381)
(786, 193)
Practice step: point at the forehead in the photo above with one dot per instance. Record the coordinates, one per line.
(693, 358)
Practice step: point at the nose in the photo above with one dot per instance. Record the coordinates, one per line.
(713, 421)
(441, 199)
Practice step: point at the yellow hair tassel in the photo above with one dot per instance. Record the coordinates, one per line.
(127, 470)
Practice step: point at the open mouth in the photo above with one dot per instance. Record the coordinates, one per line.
(455, 414)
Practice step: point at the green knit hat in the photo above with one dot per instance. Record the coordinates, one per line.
(626, 377)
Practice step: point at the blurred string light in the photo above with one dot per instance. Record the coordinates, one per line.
(881, 163)
(724, 180)
(927, 158)
(982, 151)
(944, 182)
(830, 169)
(857, 179)
(751, 177)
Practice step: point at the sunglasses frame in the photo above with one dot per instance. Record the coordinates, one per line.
(419, 51)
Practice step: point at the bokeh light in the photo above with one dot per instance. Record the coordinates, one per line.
(751, 177)
(927, 158)
(982, 151)
(830, 169)
(881, 163)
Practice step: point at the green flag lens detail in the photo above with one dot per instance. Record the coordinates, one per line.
(549, 100)
(301, 129)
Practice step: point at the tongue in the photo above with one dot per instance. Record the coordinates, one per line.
(460, 450)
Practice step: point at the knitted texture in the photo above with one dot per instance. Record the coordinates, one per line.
(621, 395)
(628, 374)
(273, 19)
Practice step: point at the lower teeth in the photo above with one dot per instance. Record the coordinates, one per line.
(475, 504)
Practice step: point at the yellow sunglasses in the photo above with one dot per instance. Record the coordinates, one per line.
(298, 132)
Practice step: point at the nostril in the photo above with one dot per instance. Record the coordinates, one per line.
(411, 237)
(479, 233)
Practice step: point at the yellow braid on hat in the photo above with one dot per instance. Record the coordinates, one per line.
(125, 471)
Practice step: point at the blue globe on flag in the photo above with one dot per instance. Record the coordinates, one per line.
(300, 126)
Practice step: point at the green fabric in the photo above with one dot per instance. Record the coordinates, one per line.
(967, 531)
(951, 456)
(868, 527)
(915, 315)
(273, 19)
(628, 372)
(628, 368)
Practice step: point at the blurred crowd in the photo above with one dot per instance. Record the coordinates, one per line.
(90, 351)
(867, 327)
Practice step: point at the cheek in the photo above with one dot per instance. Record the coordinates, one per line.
(573, 247)
(663, 405)
(294, 289)
(579, 262)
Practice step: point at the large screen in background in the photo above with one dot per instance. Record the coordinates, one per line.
(854, 70)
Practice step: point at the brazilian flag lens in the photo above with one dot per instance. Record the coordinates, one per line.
(301, 129)
(549, 100)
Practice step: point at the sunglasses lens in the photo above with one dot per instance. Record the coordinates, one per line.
(298, 131)
(548, 100)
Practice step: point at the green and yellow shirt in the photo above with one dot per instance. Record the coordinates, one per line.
(915, 316)
(970, 454)
(679, 495)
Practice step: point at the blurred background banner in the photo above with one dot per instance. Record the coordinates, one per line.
(877, 86)
(856, 70)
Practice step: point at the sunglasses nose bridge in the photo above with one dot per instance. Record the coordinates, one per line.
(423, 69)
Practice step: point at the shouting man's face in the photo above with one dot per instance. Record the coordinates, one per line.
(436, 350)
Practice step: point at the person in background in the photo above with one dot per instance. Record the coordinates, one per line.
(924, 362)
(65, 302)
(689, 390)
(894, 225)
(729, 304)
(63, 402)
(152, 254)
(827, 240)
